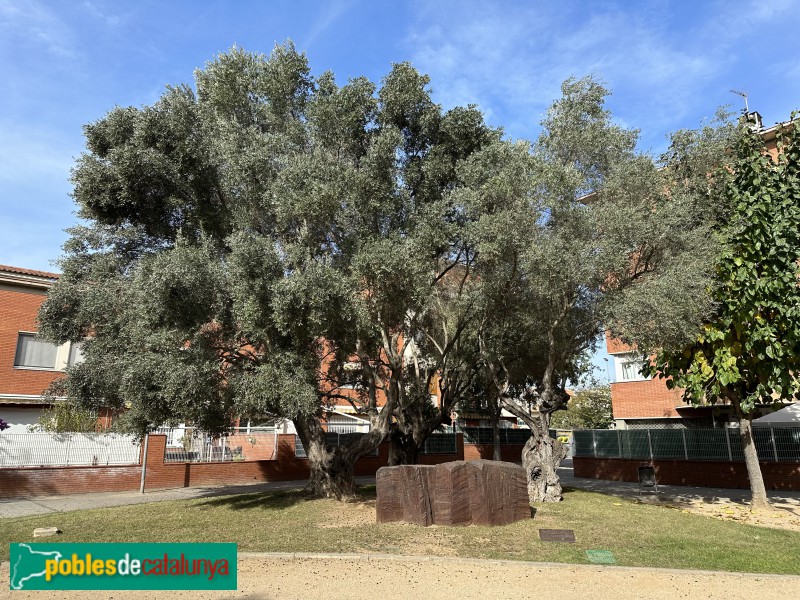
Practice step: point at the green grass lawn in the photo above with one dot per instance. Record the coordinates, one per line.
(637, 534)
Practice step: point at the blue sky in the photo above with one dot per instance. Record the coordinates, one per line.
(668, 63)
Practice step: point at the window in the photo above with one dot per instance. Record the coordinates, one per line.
(629, 368)
(35, 353)
(75, 354)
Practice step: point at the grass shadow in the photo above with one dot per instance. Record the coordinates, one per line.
(274, 500)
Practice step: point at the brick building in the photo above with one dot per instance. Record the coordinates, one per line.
(27, 364)
(639, 402)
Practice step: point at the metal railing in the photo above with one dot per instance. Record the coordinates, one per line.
(485, 435)
(332, 439)
(440, 443)
(437, 443)
(189, 444)
(774, 444)
(67, 449)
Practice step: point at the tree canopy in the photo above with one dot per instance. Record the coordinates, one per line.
(248, 241)
(589, 408)
(268, 242)
(748, 351)
(607, 242)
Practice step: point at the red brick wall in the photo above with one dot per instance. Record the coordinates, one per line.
(368, 465)
(46, 481)
(161, 475)
(57, 481)
(18, 311)
(615, 346)
(722, 474)
(508, 452)
(640, 399)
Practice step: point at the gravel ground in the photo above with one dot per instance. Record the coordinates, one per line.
(347, 577)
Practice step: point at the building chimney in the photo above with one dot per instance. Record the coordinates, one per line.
(753, 119)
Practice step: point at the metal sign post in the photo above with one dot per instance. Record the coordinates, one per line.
(144, 462)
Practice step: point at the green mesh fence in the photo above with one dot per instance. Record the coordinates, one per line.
(723, 444)
(440, 443)
(332, 439)
(485, 435)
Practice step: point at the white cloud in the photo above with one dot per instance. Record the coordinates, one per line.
(108, 18)
(512, 58)
(33, 22)
(326, 18)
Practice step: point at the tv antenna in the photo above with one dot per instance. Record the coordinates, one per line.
(743, 95)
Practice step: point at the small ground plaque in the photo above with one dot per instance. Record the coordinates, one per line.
(601, 557)
(557, 535)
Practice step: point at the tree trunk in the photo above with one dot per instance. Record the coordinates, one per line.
(403, 449)
(496, 433)
(541, 456)
(331, 475)
(758, 490)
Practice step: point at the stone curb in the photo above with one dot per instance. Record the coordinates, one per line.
(493, 561)
(499, 562)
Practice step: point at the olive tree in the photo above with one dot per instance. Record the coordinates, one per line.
(599, 236)
(271, 243)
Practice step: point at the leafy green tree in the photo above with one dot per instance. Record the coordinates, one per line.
(589, 408)
(596, 235)
(748, 352)
(248, 242)
(65, 417)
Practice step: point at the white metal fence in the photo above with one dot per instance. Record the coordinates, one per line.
(67, 449)
(189, 444)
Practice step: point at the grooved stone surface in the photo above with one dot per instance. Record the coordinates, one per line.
(483, 492)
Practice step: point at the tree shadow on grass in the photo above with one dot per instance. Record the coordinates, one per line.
(274, 500)
(268, 500)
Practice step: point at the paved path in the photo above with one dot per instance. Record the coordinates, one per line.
(20, 507)
(366, 577)
(677, 494)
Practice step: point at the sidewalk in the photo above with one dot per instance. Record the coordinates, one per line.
(674, 494)
(366, 577)
(22, 507)
(668, 494)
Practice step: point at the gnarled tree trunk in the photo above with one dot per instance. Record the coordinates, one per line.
(332, 469)
(332, 474)
(403, 448)
(541, 456)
